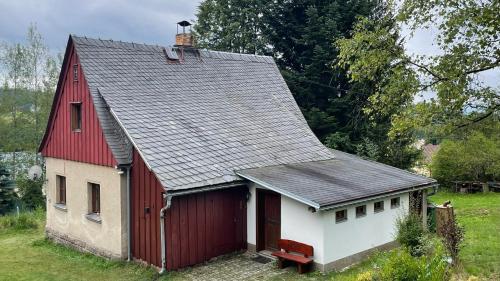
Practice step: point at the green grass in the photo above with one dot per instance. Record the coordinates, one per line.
(26, 255)
(479, 214)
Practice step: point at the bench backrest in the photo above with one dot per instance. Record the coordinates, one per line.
(296, 247)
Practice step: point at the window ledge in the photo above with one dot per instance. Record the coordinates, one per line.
(341, 221)
(94, 217)
(378, 211)
(394, 207)
(360, 216)
(61, 207)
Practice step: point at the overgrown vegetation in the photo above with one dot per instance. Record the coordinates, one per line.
(453, 235)
(30, 192)
(23, 221)
(474, 158)
(410, 234)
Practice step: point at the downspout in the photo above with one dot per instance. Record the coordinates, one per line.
(129, 222)
(168, 202)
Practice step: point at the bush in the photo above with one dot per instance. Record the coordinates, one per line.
(31, 193)
(453, 235)
(400, 265)
(25, 220)
(410, 233)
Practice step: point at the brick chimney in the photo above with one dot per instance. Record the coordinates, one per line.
(184, 39)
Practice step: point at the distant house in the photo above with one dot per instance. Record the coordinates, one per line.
(428, 151)
(174, 155)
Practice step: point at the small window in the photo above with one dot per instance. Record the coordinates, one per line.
(395, 203)
(75, 72)
(378, 206)
(95, 198)
(76, 117)
(360, 211)
(61, 190)
(340, 216)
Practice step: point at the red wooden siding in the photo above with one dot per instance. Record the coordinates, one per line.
(146, 192)
(88, 145)
(204, 225)
(197, 227)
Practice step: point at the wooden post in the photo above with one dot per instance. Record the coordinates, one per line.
(486, 187)
(424, 208)
(443, 214)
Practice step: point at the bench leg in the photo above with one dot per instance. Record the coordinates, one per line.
(300, 268)
(280, 263)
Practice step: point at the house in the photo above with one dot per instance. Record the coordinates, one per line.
(174, 155)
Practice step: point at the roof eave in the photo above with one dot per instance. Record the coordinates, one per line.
(281, 191)
(377, 196)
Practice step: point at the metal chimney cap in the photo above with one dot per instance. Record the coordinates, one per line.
(184, 23)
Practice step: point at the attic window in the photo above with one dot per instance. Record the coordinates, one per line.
(75, 72)
(76, 116)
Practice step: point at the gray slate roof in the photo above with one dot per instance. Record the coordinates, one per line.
(343, 179)
(198, 121)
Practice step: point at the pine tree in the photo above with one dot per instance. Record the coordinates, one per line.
(7, 194)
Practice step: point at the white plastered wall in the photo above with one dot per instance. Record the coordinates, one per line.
(359, 234)
(332, 241)
(110, 234)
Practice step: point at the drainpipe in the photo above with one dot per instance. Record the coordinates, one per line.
(162, 232)
(129, 219)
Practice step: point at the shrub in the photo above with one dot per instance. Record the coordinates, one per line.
(31, 193)
(365, 276)
(410, 234)
(453, 235)
(400, 265)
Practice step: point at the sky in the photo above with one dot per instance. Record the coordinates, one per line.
(141, 21)
(151, 21)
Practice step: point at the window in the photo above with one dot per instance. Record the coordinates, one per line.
(378, 206)
(76, 117)
(95, 198)
(75, 72)
(340, 216)
(360, 211)
(395, 203)
(61, 190)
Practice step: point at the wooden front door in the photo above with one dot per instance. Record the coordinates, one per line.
(269, 220)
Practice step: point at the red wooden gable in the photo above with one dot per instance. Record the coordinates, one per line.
(87, 145)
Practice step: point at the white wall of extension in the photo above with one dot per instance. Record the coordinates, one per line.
(359, 234)
(331, 240)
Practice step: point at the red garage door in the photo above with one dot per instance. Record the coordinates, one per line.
(205, 225)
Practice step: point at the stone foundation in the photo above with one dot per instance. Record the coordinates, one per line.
(78, 245)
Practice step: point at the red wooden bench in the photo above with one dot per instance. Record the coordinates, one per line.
(294, 251)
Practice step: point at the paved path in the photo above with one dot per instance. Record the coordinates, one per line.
(233, 267)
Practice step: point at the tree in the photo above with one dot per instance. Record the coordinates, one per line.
(469, 41)
(30, 75)
(475, 158)
(301, 36)
(30, 192)
(231, 25)
(7, 195)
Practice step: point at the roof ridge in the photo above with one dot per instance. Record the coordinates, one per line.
(118, 44)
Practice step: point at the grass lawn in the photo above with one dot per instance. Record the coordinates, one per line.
(479, 214)
(26, 255)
